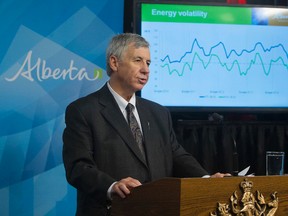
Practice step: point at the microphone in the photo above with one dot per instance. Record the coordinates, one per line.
(235, 159)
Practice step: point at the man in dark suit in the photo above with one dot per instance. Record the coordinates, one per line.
(100, 153)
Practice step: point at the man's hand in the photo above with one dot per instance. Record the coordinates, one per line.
(123, 187)
(220, 175)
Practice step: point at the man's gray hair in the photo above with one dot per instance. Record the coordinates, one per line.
(119, 44)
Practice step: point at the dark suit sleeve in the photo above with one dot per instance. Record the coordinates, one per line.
(81, 170)
(184, 164)
(169, 158)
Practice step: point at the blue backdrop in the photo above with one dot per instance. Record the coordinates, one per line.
(52, 52)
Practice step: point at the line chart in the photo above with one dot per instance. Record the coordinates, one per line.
(168, 63)
(217, 65)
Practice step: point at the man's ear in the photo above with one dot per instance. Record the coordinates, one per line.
(113, 62)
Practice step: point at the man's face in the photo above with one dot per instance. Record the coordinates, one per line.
(132, 70)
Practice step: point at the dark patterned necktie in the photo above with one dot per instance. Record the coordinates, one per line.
(132, 122)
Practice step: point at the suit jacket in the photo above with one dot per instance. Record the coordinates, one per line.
(99, 148)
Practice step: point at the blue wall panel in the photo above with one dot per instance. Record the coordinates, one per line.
(52, 52)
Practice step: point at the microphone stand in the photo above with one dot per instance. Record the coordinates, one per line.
(235, 159)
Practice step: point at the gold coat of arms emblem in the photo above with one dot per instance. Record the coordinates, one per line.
(250, 204)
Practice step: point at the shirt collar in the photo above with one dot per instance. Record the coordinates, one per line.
(122, 103)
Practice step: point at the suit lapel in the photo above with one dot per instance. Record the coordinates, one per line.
(112, 113)
(145, 119)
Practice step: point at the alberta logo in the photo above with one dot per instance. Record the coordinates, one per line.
(40, 71)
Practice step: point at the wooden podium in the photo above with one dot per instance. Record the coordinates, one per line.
(203, 196)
